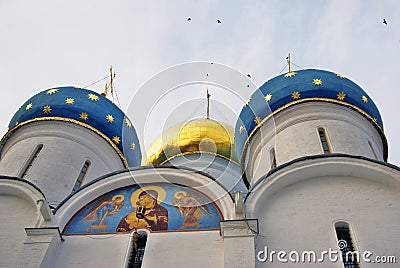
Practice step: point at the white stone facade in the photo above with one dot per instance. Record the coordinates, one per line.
(66, 147)
(292, 207)
(298, 206)
(293, 133)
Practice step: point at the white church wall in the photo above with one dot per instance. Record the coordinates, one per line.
(92, 251)
(297, 210)
(184, 249)
(171, 249)
(294, 134)
(22, 206)
(16, 214)
(65, 149)
(297, 218)
(203, 248)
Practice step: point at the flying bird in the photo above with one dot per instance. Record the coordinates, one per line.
(384, 21)
(218, 21)
(188, 19)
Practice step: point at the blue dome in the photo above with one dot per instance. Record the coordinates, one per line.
(86, 108)
(297, 87)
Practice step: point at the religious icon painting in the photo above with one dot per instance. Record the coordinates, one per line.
(157, 207)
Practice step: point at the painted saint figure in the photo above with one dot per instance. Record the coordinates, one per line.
(101, 210)
(147, 214)
(191, 206)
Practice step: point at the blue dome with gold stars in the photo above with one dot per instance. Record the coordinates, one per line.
(85, 108)
(297, 87)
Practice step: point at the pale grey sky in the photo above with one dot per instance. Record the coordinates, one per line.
(54, 43)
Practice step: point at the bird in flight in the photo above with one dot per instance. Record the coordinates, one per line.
(188, 19)
(218, 21)
(384, 21)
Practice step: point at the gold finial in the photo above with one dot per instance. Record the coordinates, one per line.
(290, 73)
(110, 84)
(208, 104)
(288, 62)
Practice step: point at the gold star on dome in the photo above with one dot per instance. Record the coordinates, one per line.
(340, 76)
(29, 106)
(257, 120)
(296, 95)
(127, 122)
(133, 146)
(16, 123)
(93, 97)
(364, 99)
(47, 109)
(247, 102)
(375, 120)
(116, 139)
(290, 74)
(341, 96)
(83, 116)
(52, 91)
(317, 82)
(241, 129)
(109, 118)
(268, 98)
(69, 101)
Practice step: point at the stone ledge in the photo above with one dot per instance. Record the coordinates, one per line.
(42, 235)
(239, 228)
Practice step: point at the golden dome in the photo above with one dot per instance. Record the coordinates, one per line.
(196, 136)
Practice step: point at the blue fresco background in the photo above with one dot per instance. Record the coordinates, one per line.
(175, 219)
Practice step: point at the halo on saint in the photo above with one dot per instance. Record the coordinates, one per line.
(160, 194)
(179, 193)
(118, 199)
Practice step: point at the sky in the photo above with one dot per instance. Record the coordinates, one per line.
(51, 43)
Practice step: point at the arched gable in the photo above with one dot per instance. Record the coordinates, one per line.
(157, 207)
